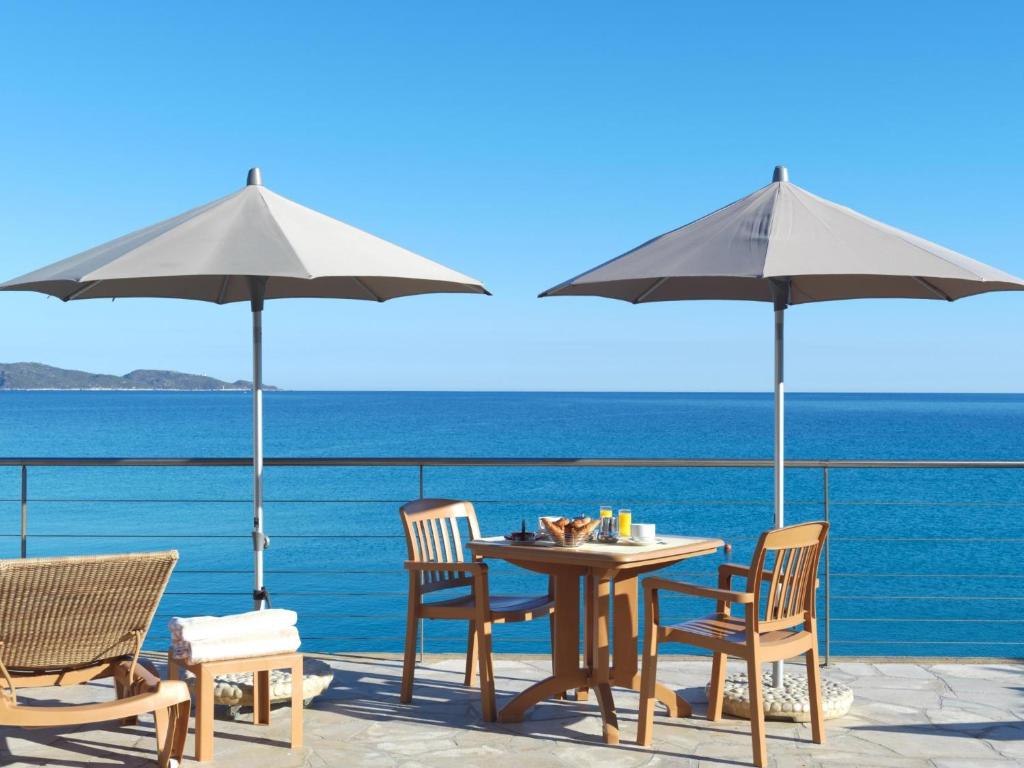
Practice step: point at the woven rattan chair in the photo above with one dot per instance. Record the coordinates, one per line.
(70, 620)
(436, 563)
(778, 623)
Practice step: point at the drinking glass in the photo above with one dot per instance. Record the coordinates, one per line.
(625, 523)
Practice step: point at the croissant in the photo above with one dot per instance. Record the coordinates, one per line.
(554, 527)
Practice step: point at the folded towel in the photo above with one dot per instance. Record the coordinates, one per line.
(241, 647)
(201, 628)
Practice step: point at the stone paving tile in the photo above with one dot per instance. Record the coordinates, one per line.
(904, 716)
(913, 671)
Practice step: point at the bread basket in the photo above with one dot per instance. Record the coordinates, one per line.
(571, 533)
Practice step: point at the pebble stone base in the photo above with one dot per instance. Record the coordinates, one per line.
(235, 689)
(790, 702)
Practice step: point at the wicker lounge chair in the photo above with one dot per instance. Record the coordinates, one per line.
(70, 620)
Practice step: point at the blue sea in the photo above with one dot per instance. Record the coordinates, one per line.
(922, 561)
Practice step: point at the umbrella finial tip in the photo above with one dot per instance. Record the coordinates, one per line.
(781, 173)
(255, 178)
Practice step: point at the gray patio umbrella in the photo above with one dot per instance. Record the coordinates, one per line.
(783, 245)
(251, 245)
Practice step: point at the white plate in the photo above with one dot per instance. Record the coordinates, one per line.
(638, 543)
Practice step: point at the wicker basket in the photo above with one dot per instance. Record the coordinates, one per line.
(574, 537)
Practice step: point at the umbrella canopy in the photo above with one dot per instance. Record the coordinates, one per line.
(781, 232)
(249, 246)
(784, 245)
(210, 253)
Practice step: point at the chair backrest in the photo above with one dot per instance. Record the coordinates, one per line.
(66, 612)
(783, 574)
(432, 536)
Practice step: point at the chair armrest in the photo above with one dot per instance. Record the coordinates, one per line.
(417, 565)
(738, 569)
(682, 587)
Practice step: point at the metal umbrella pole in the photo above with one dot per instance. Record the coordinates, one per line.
(259, 540)
(780, 293)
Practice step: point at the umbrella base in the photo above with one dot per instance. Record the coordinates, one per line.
(234, 690)
(790, 702)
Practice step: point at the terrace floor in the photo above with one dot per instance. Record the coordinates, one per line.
(905, 715)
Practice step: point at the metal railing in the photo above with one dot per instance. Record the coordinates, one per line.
(825, 466)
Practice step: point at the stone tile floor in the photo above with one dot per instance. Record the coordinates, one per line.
(905, 716)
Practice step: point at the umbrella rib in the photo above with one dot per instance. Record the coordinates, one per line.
(657, 284)
(80, 291)
(934, 289)
(367, 288)
(223, 289)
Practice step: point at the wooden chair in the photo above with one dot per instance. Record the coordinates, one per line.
(436, 563)
(778, 623)
(70, 620)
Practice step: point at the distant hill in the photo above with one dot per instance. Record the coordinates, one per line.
(39, 376)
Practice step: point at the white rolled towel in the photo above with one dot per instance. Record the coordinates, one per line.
(202, 628)
(284, 640)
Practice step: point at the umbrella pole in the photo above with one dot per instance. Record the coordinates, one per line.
(781, 300)
(259, 540)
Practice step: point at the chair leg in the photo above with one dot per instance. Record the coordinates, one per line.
(123, 691)
(756, 712)
(172, 727)
(471, 656)
(487, 703)
(814, 694)
(183, 710)
(409, 664)
(648, 682)
(717, 689)
(162, 726)
(171, 730)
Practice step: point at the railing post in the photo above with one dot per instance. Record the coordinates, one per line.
(828, 575)
(421, 481)
(24, 510)
(423, 639)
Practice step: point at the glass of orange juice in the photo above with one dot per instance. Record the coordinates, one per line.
(625, 523)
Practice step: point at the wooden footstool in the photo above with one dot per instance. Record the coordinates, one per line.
(260, 666)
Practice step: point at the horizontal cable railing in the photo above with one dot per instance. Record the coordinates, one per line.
(1002, 595)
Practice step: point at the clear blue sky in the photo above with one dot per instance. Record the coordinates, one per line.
(520, 143)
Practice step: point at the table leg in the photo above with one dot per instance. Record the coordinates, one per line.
(204, 715)
(297, 713)
(626, 630)
(261, 698)
(601, 661)
(565, 655)
(588, 641)
(172, 668)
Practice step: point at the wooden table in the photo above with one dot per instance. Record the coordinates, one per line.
(599, 565)
(260, 667)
